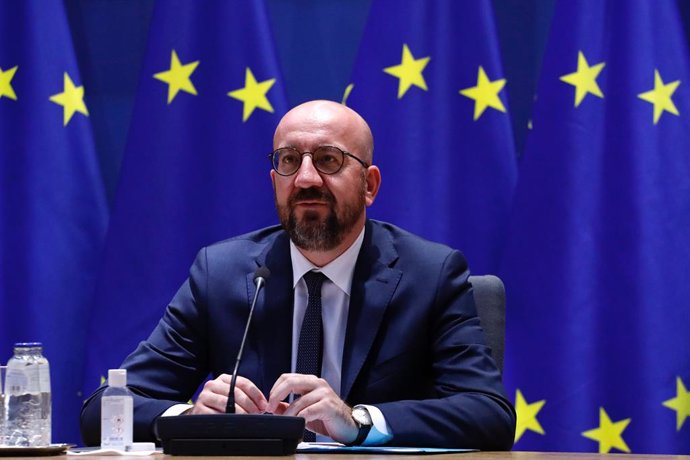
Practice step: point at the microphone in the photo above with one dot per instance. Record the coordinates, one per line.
(232, 434)
(260, 277)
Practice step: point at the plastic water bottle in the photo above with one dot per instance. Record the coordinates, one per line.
(3, 414)
(117, 415)
(27, 393)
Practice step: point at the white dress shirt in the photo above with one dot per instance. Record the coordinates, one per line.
(335, 305)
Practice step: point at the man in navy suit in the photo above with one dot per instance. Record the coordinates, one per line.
(404, 360)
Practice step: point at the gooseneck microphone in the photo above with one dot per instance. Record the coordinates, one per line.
(232, 434)
(260, 276)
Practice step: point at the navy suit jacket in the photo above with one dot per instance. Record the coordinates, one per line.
(413, 346)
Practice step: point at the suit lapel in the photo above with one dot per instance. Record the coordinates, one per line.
(274, 310)
(373, 285)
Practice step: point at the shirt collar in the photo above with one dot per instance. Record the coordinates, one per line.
(340, 271)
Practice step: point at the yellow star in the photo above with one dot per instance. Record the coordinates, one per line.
(6, 83)
(72, 99)
(660, 96)
(527, 415)
(485, 94)
(584, 79)
(346, 94)
(680, 404)
(178, 77)
(609, 434)
(409, 71)
(253, 95)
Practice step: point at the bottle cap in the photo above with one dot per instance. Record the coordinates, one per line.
(28, 345)
(117, 377)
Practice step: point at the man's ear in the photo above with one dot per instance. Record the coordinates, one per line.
(373, 179)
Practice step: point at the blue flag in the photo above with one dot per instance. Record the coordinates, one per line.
(196, 166)
(53, 212)
(428, 79)
(597, 267)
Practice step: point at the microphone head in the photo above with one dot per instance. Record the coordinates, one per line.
(262, 272)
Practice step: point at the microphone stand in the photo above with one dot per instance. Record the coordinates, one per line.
(232, 434)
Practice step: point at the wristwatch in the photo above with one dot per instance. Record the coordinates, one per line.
(362, 418)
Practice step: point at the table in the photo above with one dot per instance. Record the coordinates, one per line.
(466, 456)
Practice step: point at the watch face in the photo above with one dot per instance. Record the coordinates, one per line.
(361, 416)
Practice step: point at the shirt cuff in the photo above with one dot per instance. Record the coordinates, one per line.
(380, 432)
(177, 409)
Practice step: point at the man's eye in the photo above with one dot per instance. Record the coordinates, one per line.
(289, 159)
(327, 159)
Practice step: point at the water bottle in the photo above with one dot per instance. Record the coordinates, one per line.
(3, 414)
(117, 415)
(27, 396)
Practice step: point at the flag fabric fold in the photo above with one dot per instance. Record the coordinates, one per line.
(597, 263)
(429, 81)
(53, 210)
(196, 166)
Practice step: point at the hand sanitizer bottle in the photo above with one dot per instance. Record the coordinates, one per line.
(117, 412)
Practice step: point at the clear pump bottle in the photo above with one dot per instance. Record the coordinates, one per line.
(117, 412)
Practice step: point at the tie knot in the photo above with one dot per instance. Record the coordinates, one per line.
(314, 281)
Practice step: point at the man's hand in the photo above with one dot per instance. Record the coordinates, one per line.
(321, 408)
(214, 397)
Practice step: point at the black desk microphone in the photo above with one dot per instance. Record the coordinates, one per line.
(232, 434)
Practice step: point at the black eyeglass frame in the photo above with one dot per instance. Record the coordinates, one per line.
(271, 157)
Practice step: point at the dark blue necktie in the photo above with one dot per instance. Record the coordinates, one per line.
(310, 348)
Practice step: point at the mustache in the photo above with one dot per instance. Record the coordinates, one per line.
(312, 193)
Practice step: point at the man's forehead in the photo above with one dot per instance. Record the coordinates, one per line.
(314, 123)
(318, 113)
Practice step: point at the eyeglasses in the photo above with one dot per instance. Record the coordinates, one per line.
(326, 158)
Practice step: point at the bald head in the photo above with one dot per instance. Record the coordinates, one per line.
(324, 212)
(328, 123)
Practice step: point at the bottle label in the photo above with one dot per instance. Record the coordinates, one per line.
(16, 381)
(116, 421)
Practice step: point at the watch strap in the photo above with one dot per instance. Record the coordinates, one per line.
(362, 433)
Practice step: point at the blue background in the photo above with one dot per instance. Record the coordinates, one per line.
(317, 44)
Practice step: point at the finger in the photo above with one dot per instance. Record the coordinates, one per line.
(282, 407)
(214, 396)
(277, 394)
(298, 384)
(311, 404)
(220, 385)
(327, 415)
(314, 415)
(250, 397)
(210, 400)
(245, 403)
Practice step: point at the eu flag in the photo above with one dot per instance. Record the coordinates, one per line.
(53, 212)
(428, 79)
(597, 267)
(195, 169)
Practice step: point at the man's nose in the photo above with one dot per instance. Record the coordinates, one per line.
(307, 176)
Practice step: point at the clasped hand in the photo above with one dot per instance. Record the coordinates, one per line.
(323, 411)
